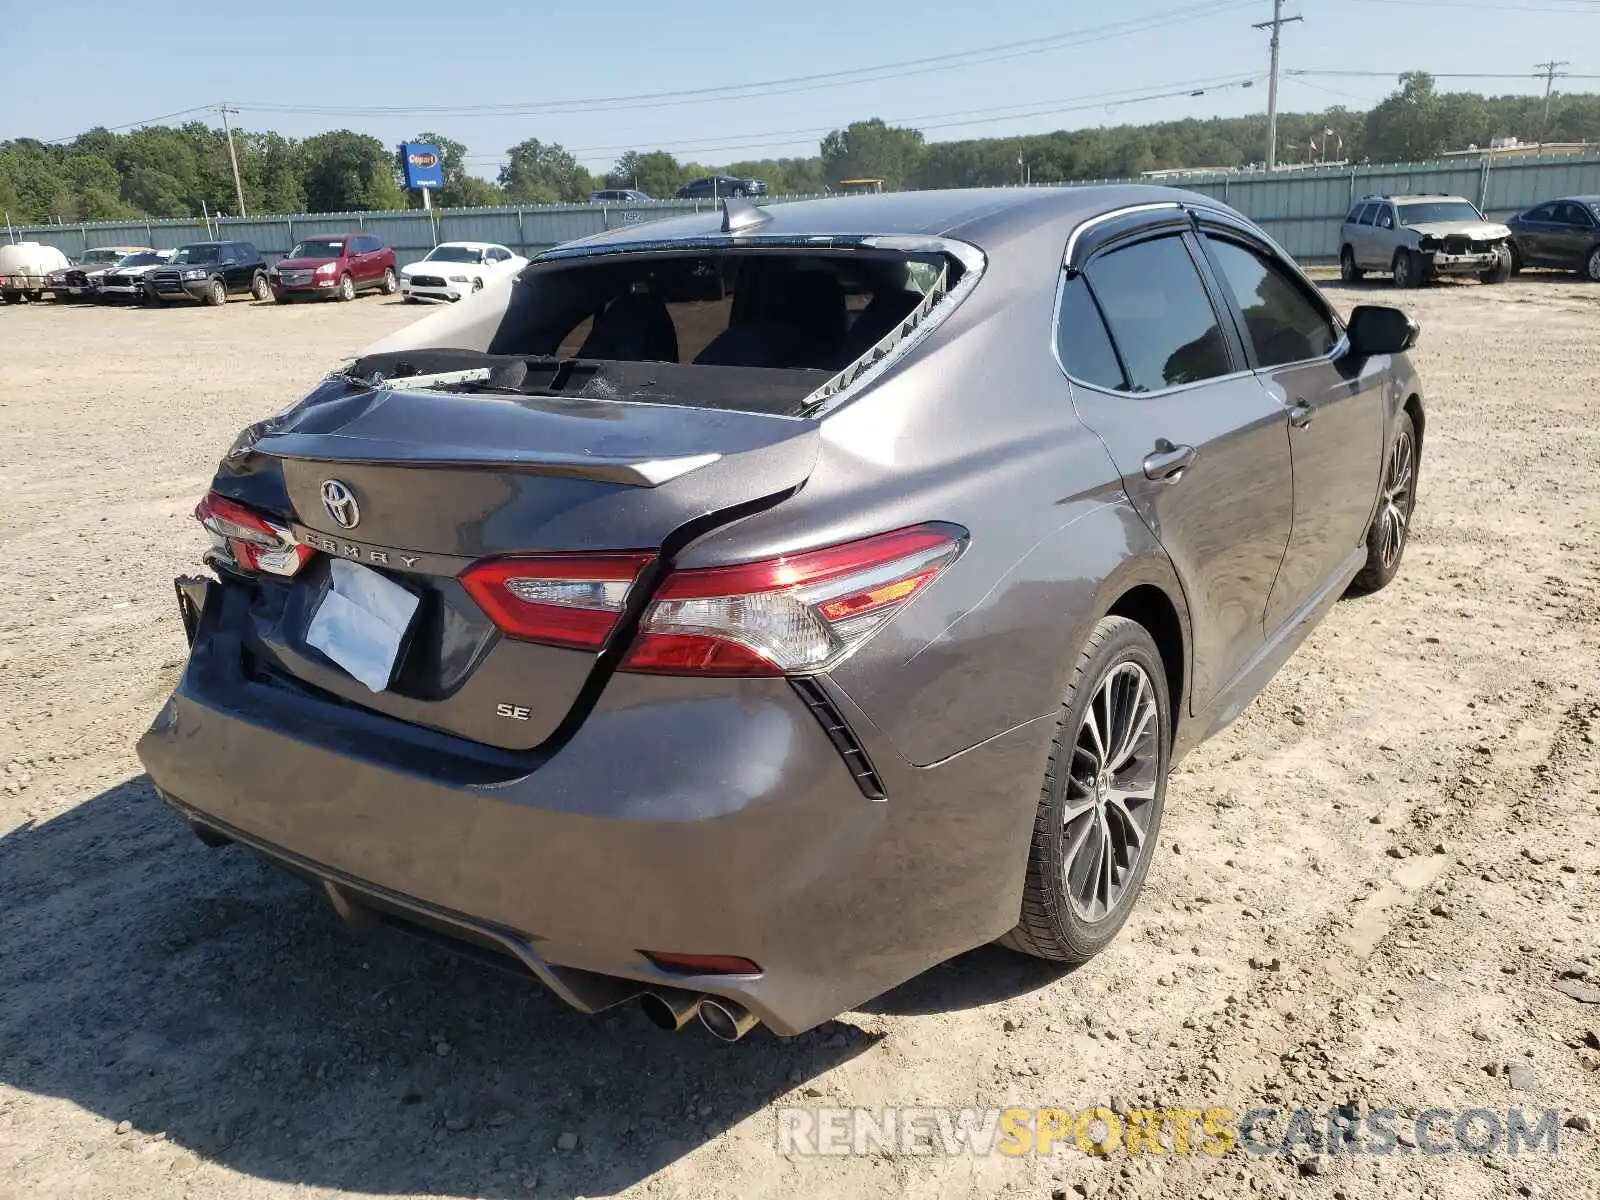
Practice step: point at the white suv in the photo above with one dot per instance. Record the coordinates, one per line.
(1418, 238)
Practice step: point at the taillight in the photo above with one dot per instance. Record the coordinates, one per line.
(556, 599)
(794, 615)
(256, 543)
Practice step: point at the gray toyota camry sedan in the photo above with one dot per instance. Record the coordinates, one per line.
(739, 614)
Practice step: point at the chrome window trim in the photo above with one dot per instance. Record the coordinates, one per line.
(1126, 211)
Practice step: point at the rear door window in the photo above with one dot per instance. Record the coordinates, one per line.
(1283, 324)
(1369, 214)
(1160, 315)
(1082, 340)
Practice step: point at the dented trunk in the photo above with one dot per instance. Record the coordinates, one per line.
(425, 484)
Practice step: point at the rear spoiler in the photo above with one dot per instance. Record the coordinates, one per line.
(632, 472)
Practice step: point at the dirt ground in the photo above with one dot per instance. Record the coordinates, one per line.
(1370, 891)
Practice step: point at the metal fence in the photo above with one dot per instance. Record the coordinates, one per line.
(527, 229)
(1302, 210)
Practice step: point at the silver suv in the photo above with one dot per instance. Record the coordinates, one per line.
(1416, 238)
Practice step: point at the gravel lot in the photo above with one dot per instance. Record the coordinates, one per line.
(1368, 889)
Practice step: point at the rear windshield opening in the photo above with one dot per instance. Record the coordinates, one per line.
(758, 330)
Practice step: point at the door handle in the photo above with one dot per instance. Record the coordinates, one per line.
(1300, 415)
(1168, 461)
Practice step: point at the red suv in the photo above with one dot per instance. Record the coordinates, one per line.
(335, 264)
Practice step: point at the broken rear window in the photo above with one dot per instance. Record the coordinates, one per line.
(758, 330)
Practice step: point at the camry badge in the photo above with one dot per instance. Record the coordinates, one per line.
(340, 501)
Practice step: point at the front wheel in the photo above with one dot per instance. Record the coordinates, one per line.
(391, 285)
(1348, 271)
(216, 293)
(1391, 524)
(1501, 271)
(1591, 266)
(347, 288)
(1100, 805)
(261, 289)
(1406, 270)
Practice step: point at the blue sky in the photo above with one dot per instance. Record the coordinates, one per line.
(71, 66)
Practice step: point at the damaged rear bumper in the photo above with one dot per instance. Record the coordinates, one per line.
(681, 817)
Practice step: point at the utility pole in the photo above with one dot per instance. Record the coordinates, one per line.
(1549, 69)
(1276, 25)
(238, 188)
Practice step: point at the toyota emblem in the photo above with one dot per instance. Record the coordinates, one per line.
(340, 501)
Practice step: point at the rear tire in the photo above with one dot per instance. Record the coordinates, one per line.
(1591, 265)
(1348, 271)
(261, 289)
(1407, 270)
(1100, 806)
(391, 285)
(347, 288)
(1516, 259)
(216, 293)
(1391, 524)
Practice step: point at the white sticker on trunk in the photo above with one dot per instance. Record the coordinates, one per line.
(361, 622)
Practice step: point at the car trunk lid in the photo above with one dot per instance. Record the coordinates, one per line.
(440, 480)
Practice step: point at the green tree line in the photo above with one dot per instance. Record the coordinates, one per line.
(176, 171)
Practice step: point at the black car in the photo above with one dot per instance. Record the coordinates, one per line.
(210, 272)
(714, 187)
(1561, 233)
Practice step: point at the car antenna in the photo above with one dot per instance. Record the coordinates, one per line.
(740, 216)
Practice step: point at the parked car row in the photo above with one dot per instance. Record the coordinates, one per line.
(1419, 238)
(332, 266)
(712, 187)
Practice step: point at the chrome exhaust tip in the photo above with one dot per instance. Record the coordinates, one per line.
(726, 1020)
(669, 1010)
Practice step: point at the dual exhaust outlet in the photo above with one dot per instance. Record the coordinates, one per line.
(723, 1019)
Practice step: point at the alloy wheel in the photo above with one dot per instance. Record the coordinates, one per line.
(1594, 264)
(1398, 495)
(1111, 792)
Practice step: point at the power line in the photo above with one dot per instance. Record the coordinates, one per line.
(182, 112)
(1441, 74)
(1578, 8)
(955, 60)
(1276, 25)
(968, 116)
(809, 136)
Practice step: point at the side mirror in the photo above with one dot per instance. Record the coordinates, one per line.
(1378, 329)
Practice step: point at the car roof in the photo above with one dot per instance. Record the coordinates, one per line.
(985, 217)
(472, 245)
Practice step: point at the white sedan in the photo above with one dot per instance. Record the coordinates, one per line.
(456, 269)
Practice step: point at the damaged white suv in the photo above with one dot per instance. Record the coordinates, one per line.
(1418, 238)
